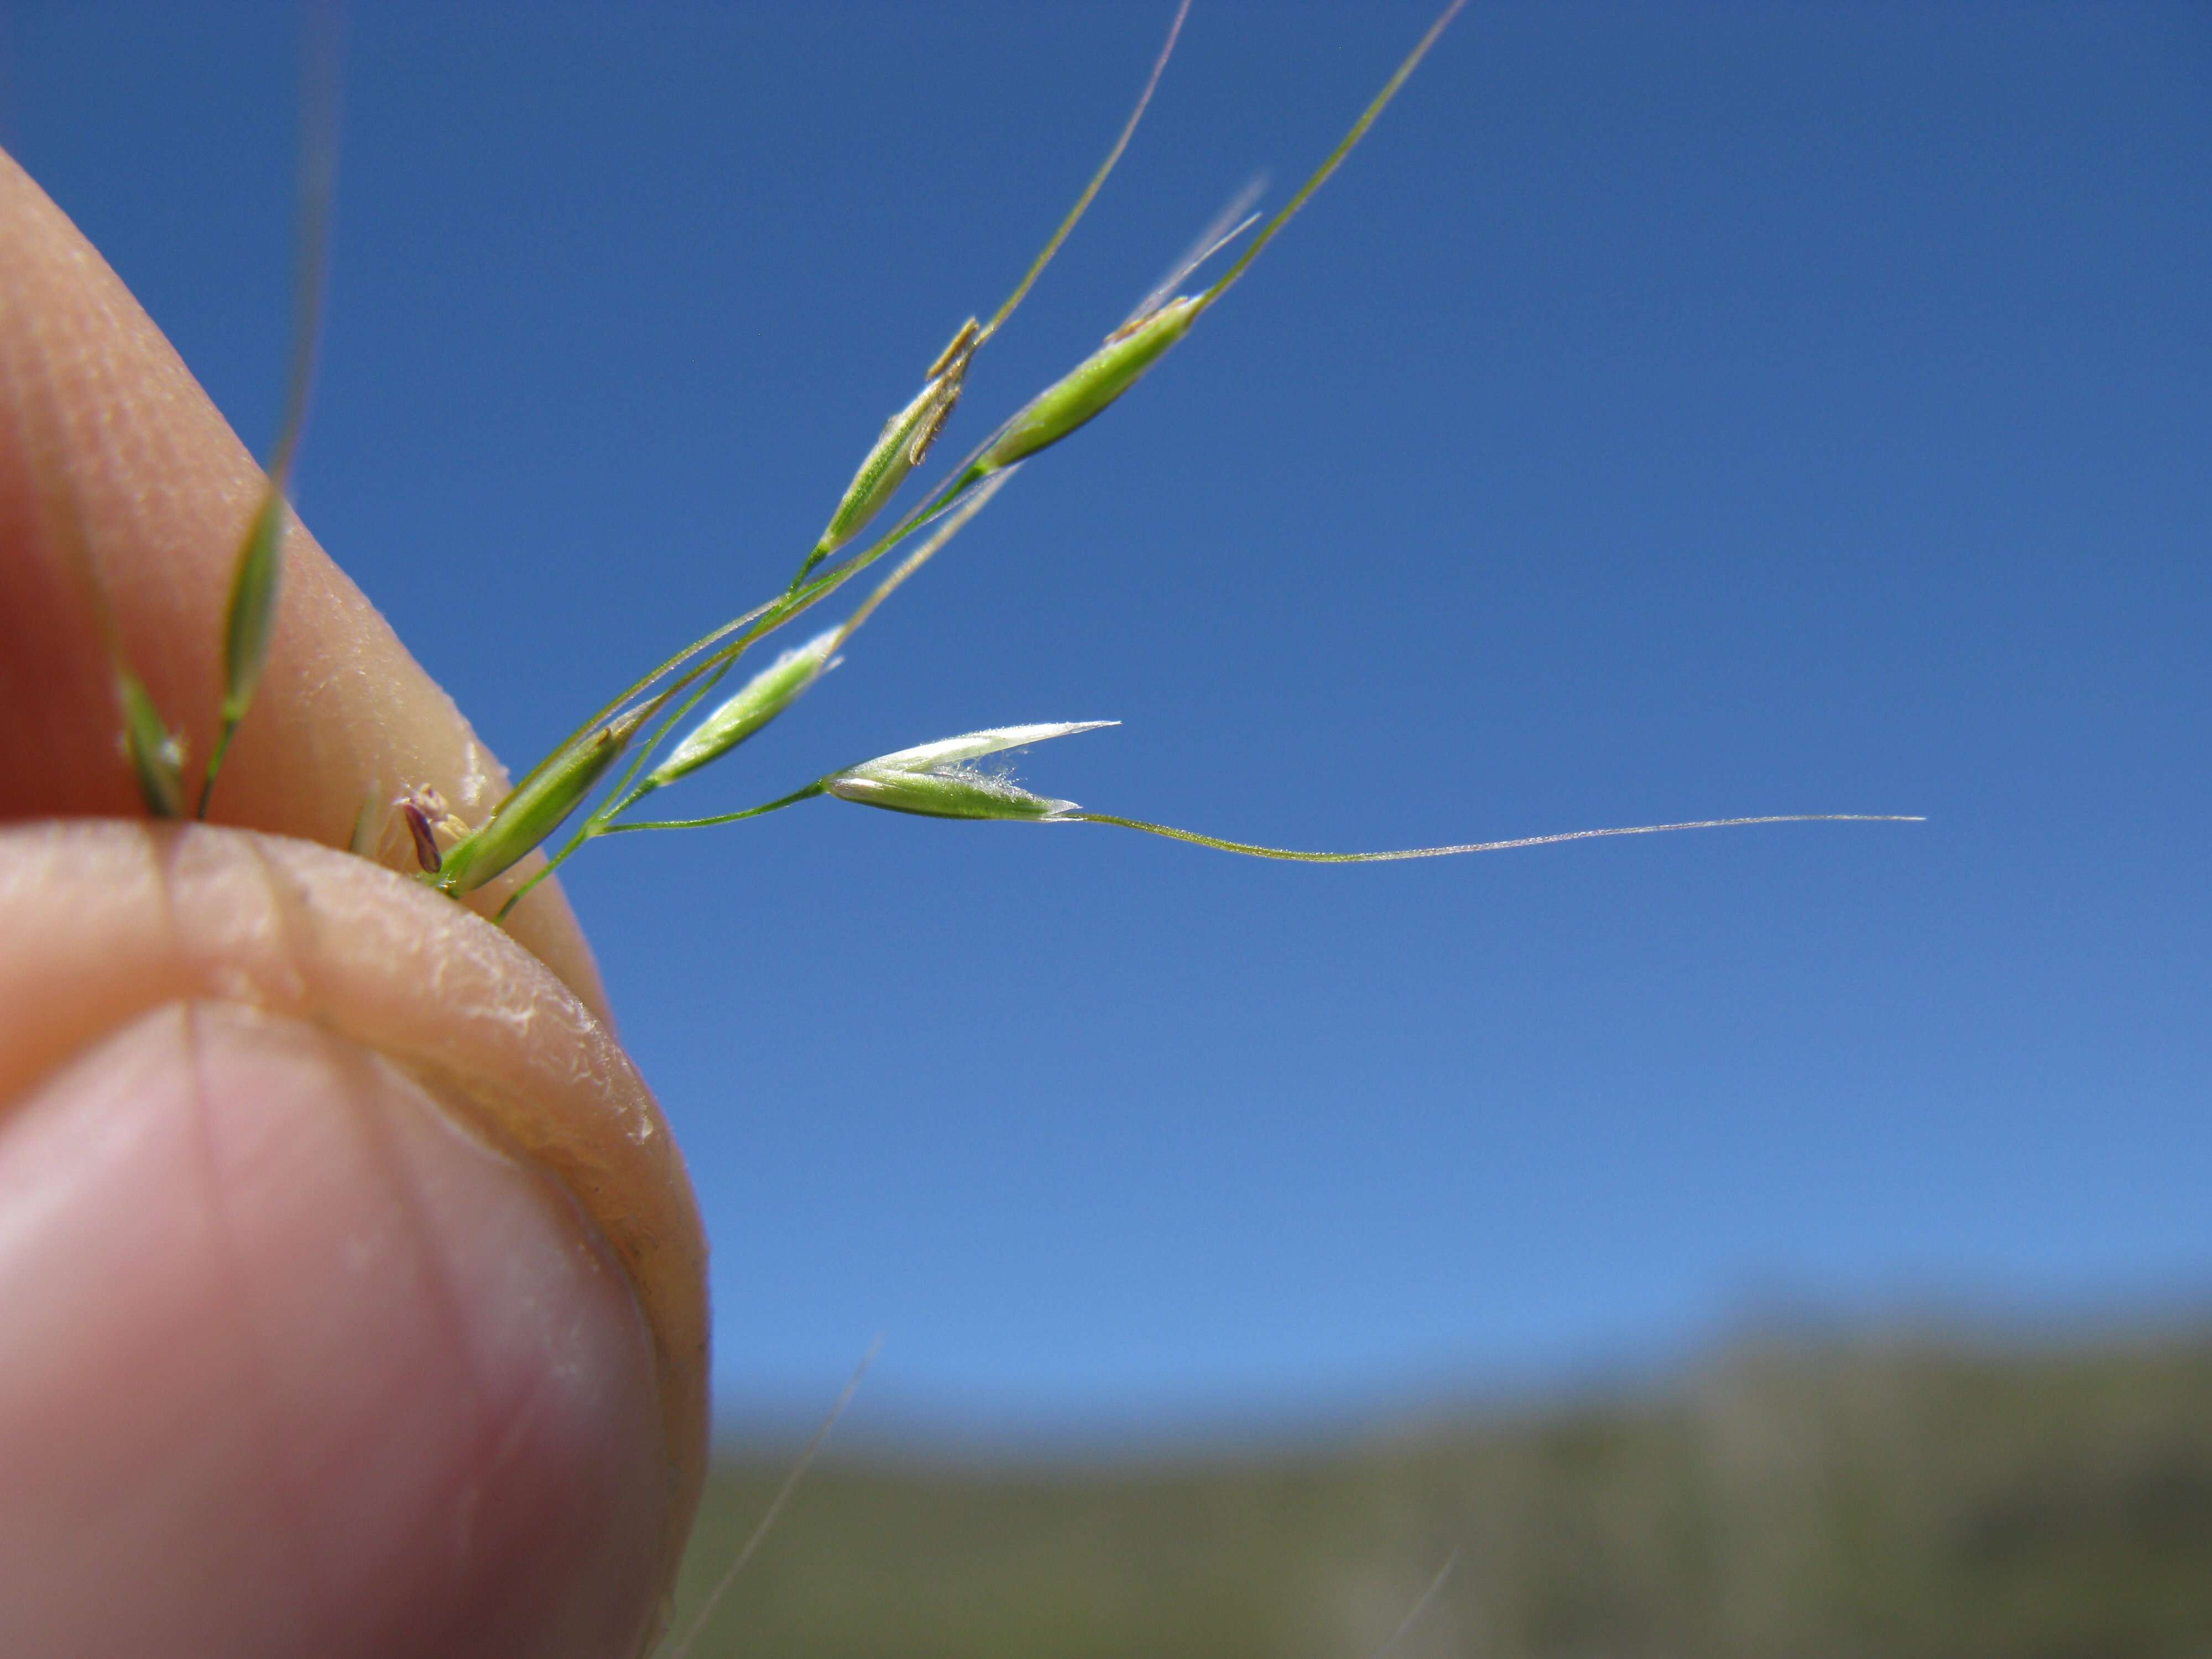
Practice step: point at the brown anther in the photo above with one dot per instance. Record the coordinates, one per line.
(426, 844)
(959, 352)
(919, 449)
(426, 814)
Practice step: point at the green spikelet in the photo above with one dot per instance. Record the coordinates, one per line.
(1084, 393)
(156, 753)
(901, 446)
(539, 805)
(767, 695)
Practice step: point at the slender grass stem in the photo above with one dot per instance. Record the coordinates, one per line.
(1336, 158)
(226, 730)
(776, 806)
(1090, 191)
(608, 709)
(506, 907)
(1413, 1617)
(776, 1504)
(975, 502)
(1252, 851)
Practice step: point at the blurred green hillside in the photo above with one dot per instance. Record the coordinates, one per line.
(1898, 1498)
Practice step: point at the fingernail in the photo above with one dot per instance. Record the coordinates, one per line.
(293, 1363)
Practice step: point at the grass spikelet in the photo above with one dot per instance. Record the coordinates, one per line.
(249, 619)
(257, 573)
(939, 779)
(767, 695)
(1083, 394)
(936, 779)
(902, 445)
(155, 753)
(1077, 397)
(540, 803)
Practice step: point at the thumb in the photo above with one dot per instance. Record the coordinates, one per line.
(349, 1283)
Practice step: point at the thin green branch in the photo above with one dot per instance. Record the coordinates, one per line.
(226, 729)
(623, 795)
(1335, 157)
(594, 828)
(506, 909)
(608, 709)
(1252, 851)
(1090, 191)
(975, 502)
(776, 806)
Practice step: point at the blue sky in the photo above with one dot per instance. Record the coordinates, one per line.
(1670, 413)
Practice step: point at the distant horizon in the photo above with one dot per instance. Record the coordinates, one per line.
(1235, 1426)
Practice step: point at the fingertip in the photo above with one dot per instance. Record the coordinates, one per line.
(298, 1365)
(110, 924)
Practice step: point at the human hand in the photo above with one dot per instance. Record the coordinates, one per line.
(351, 1293)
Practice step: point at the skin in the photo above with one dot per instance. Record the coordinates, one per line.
(351, 1290)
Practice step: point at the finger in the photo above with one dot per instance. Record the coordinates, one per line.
(122, 489)
(352, 1285)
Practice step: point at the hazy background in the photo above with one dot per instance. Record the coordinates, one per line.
(1670, 413)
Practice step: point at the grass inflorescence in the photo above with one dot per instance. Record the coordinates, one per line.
(652, 735)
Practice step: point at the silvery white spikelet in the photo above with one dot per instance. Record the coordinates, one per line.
(937, 780)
